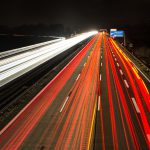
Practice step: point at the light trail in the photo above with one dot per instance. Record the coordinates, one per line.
(111, 107)
(40, 104)
(125, 107)
(23, 49)
(139, 81)
(126, 62)
(80, 101)
(11, 68)
(79, 104)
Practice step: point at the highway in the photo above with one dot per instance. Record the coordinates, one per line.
(97, 101)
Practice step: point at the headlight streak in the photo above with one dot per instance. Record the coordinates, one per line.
(15, 66)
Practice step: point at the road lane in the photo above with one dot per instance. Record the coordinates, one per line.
(139, 90)
(105, 121)
(135, 121)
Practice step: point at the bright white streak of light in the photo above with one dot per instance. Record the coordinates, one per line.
(26, 48)
(13, 69)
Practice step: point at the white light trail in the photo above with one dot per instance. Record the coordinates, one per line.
(15, 66)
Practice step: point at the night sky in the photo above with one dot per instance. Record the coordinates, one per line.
(79, 13)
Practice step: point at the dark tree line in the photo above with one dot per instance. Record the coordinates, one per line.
(39, 29)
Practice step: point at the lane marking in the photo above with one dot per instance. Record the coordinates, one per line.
(101, 57)
(92, 124)
(99, 102)
(115, 59)
(101, 64)
(64, 104)
(117, 64)
(126, 83)
(135, 105)
(84, 64)
(121, 72)
(100, 77)
(113, 55)
(78, 77)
